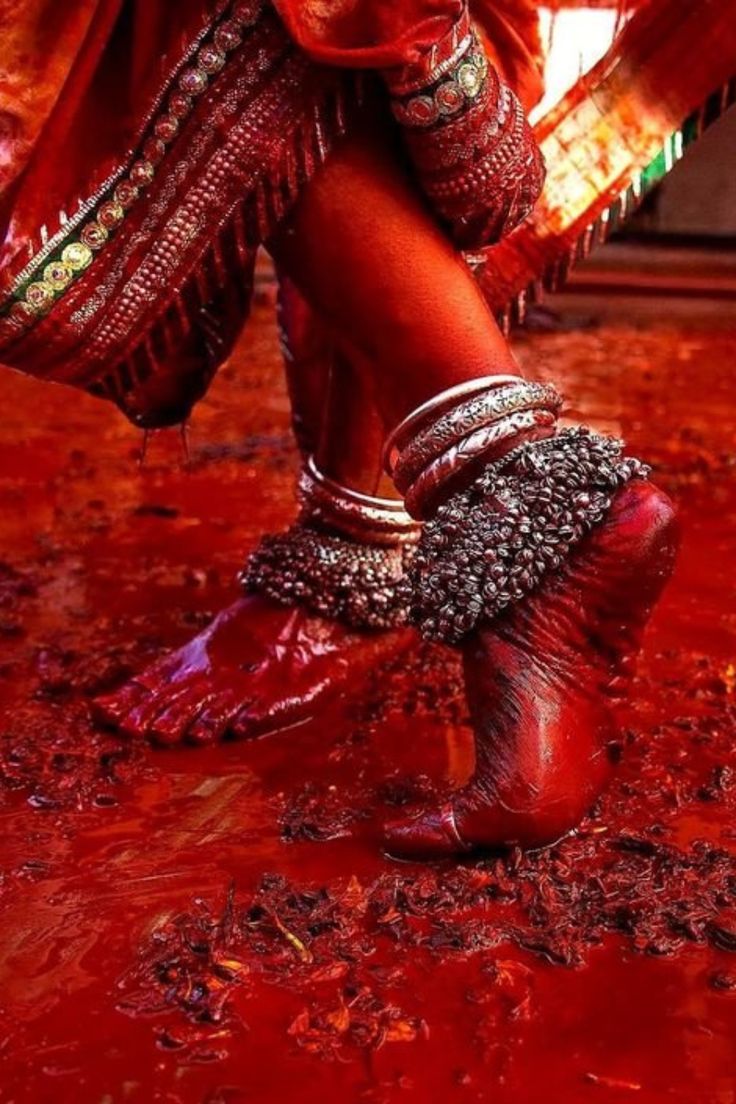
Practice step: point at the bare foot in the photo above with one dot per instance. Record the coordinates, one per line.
(258, 667)
(543, 682)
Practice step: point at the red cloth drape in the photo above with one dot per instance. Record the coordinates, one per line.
(367, 34)
(71, 104)
(379, 34)
(93, 60)
(76, 79)
(510, 29)
(79, 86)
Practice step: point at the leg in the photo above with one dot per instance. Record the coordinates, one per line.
(262, 665)
(365, 252)
(308, 352)
(326, 381)
(232, 677)
(541, 678)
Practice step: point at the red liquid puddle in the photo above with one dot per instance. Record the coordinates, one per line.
(218, 925)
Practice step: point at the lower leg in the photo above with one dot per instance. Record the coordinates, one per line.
(307, 350)
(334, 413)
(350, 446)
(363, 249)
(540, 677)
(263, 664)
(372, 262)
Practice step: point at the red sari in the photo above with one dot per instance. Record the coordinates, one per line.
(145, 160)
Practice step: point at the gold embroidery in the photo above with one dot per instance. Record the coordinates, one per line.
(77, 255)
(36, 298)
(57, 275)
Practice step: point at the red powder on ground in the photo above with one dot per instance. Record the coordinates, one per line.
(219, 925)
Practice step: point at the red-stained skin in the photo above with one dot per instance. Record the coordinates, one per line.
(257, 668)
(542, 684)
(109, 565)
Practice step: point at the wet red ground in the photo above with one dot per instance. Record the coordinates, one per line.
(219, 925)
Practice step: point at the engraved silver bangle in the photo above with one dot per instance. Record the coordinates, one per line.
(437, 405)
(467, 417)
(433, 481)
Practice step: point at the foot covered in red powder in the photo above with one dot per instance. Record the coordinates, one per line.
(257, 668)
(543, 682)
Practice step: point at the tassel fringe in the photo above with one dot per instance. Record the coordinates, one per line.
(554, 277)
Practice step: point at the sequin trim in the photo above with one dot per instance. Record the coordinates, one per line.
(34, 297)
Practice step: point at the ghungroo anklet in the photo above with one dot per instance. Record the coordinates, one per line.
(362, 585)
(494, 543)
(345, 559)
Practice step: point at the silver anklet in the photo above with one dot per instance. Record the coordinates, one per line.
(493, 544)
(468, 417)
(456, 433)
(364, 518)
(363, 585)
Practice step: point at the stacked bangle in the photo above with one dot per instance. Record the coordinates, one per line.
(467, 417)
(365, 518)
(433, 482)
(433, 408)
(463, 428)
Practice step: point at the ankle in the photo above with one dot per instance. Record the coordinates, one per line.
(345, 559)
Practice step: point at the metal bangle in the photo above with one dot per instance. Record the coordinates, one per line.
(467, 417)
(437, 405)
(364, 518)
(421, 497)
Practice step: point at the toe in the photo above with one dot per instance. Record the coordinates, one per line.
(143, 716)
(431, 835)
(113, 709)
(213, 721)
(171, 724)
(270, 710)
(251, 720)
